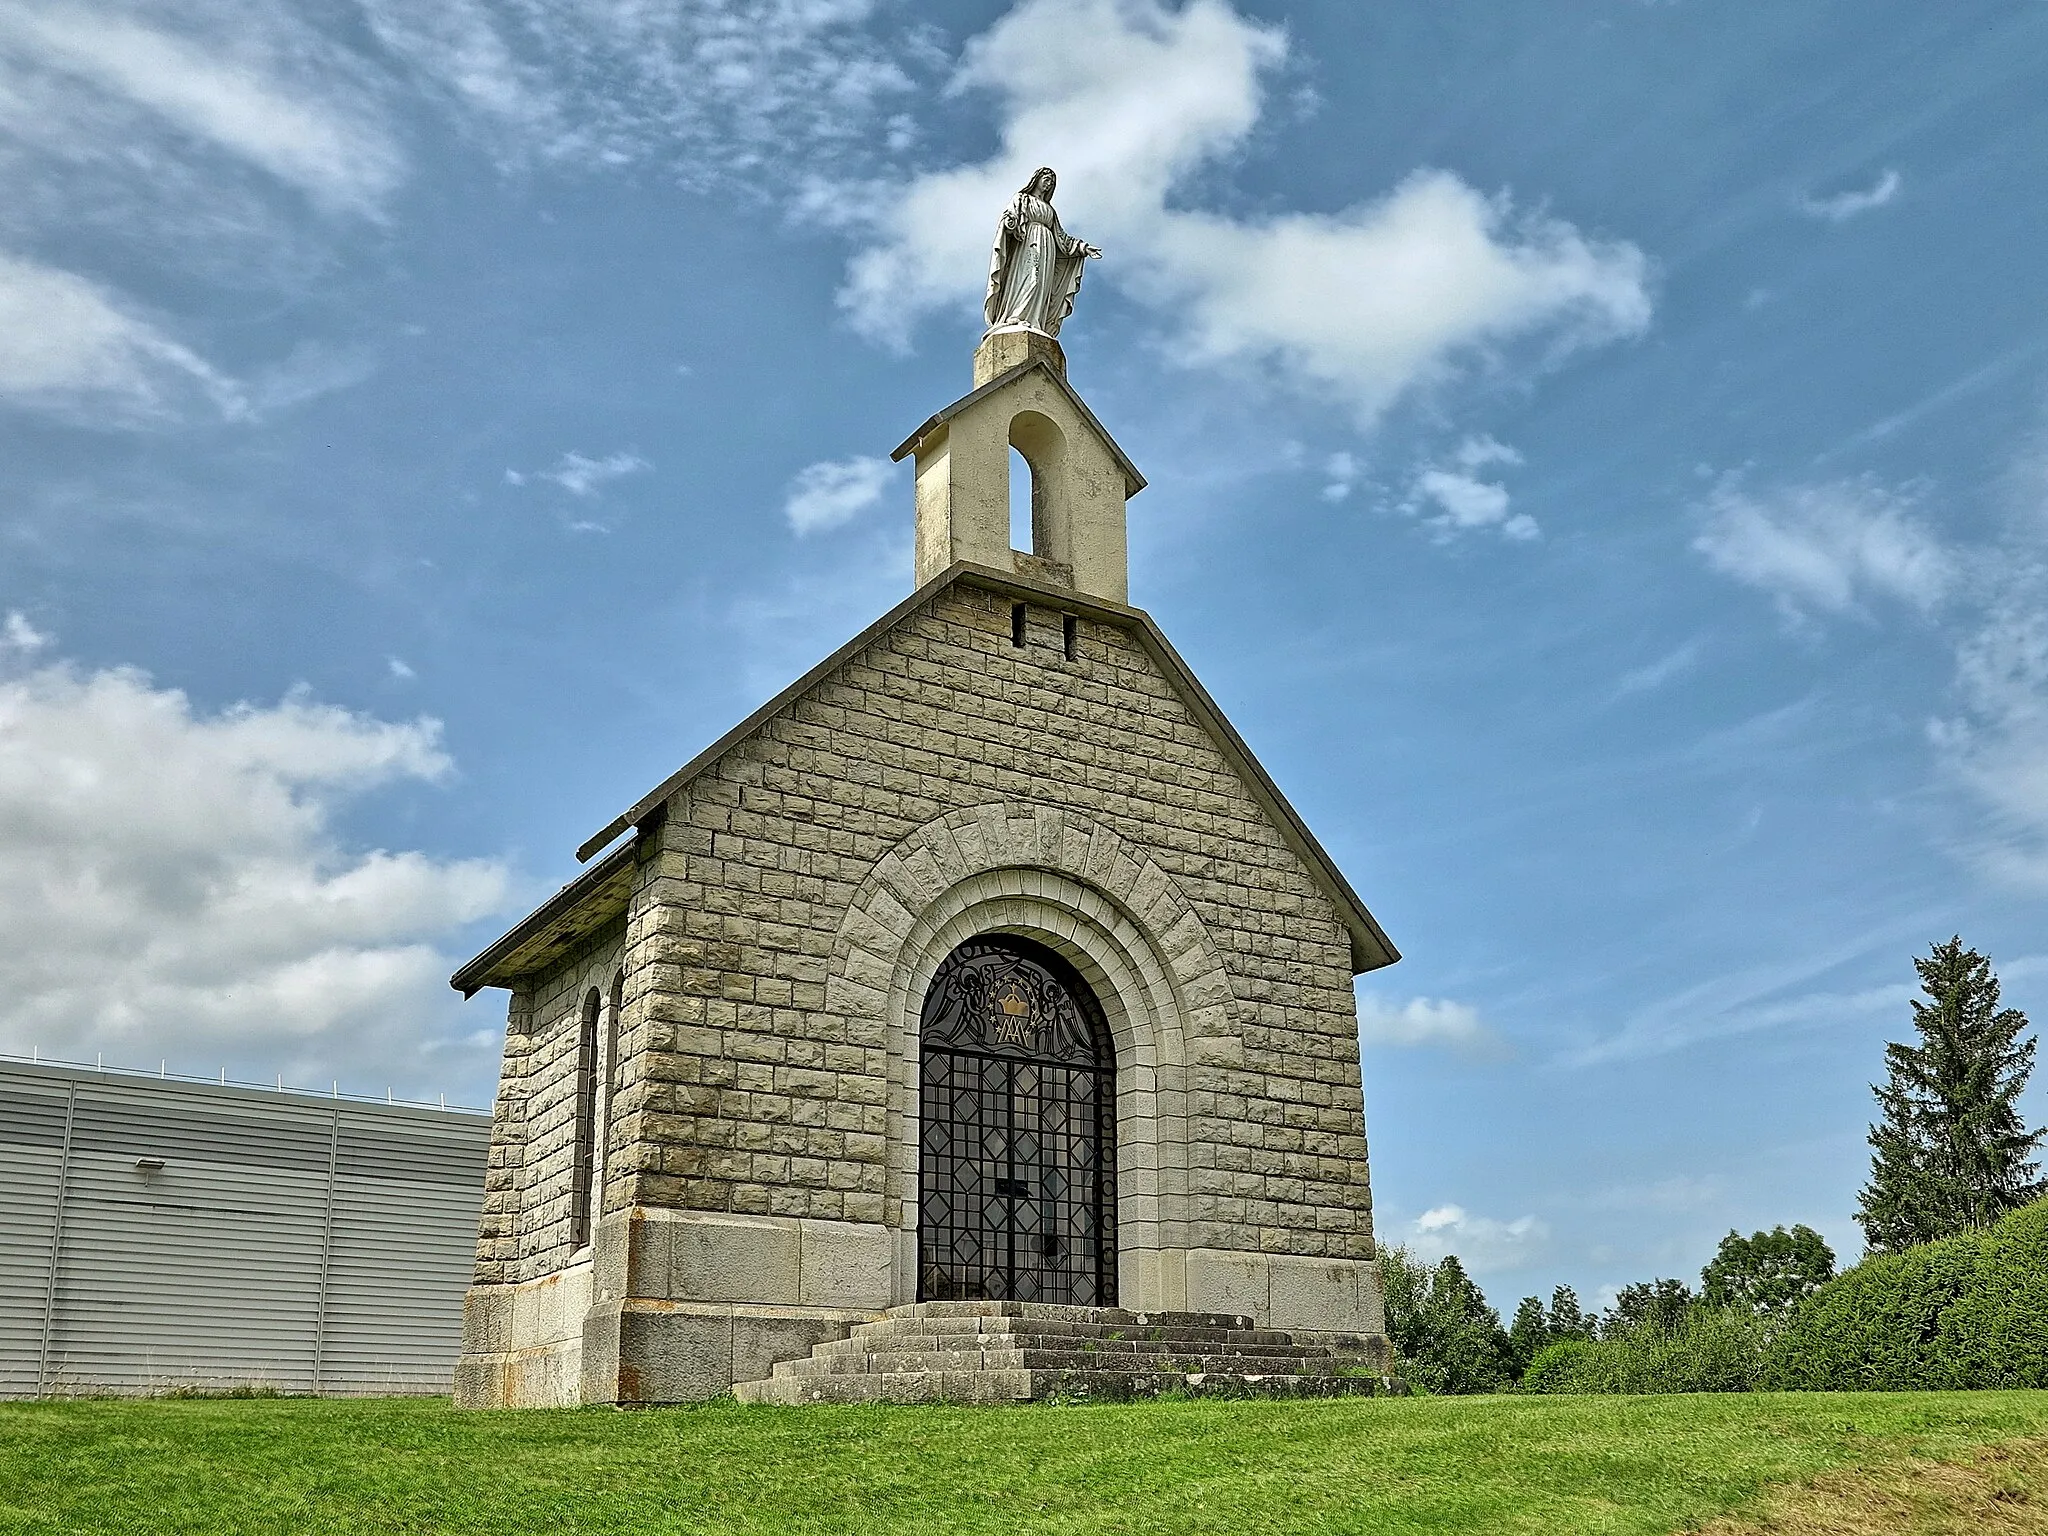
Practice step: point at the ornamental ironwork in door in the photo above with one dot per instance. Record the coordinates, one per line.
(1017, 1133)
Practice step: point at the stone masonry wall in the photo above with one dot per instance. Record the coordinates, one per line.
(743, 1093)
(525, 1228)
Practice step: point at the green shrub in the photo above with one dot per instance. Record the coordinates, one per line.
(1552, 1368)
(1708, 1349)
(1966, 1311)
(1447, 1338)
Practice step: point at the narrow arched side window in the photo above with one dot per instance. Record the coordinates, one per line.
(585, 1155)
(614, 1013)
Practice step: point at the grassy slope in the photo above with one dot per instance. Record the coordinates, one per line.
(1574, 1464)
(1999, 1491)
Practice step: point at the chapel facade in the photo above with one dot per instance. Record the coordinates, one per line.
(982, 964)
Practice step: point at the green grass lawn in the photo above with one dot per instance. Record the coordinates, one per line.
(1502, 1464)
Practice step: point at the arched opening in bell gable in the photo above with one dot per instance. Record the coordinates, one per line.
(1038, 493)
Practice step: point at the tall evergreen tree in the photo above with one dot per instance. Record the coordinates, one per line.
(1950, 1151)
(1566, 1320)
(1529, 1332)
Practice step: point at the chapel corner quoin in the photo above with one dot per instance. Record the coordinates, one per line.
(982, 972)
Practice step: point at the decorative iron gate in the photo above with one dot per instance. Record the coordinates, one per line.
(1017, 1138)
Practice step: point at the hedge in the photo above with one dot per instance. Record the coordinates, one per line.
(1709, 1350)
(1966, 1311)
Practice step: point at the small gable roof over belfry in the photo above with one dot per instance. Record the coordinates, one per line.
(571, 912)
(1133, 481)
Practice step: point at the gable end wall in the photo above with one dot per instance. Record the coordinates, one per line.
(745, 1092)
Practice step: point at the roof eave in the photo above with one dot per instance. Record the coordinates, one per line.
(488, 969)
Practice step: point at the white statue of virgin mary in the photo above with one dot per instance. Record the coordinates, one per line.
(1035, 270)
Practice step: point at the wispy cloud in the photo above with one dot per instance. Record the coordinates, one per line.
(1840, 206)
(1826, 549)
(227, 92)
(833, 493)
(1777, 995)
(1655, 674)
(1425, 1022)
(1129, 99)
(1996, 746)
(258, 145)
(581, 475)
(69, 346)
(21, 637)
(758, 94)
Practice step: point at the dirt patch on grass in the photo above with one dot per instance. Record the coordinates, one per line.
(2000, 1491)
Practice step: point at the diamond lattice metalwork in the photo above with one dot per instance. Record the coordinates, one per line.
(1017, 1153)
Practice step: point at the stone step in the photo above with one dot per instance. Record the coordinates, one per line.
(1007, 1352)
(1115, 1317)
(1089, 1327)
(875, 1336)
(1029, 1386)
(1294, 1363)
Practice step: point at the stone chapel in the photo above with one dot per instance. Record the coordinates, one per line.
(974, 1010)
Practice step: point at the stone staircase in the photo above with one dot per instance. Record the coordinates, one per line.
(1016, 1352)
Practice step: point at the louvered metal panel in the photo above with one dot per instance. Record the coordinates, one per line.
(219, 1236)
(404, 1239)
(31, 1166)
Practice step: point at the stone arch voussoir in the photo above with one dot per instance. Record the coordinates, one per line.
(1087, 892)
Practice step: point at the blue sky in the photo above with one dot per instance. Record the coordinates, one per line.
(1598, 456)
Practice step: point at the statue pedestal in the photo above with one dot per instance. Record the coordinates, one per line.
(1000, 351)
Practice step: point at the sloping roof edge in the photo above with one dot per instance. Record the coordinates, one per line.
(1133, 481)
(534, 929)
(1370, 946)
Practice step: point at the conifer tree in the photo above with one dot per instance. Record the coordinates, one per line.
(1529, 1332)
(1950, 1151)
(1566, 1320)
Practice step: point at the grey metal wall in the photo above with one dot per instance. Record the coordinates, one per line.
(313, 1245)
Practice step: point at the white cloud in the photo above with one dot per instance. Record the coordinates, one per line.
(1846, 205)
(20, 636)
(1463, 501)
(1482, 1243)
(831, 494)
(1424, 1021)
(400, 670)
(1129, 100)
(1826, 549)
(1342, 471)
(581, 475)
(172, 885)
(69, 346)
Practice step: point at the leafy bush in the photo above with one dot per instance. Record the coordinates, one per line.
(1966, 1311)
(1705, 1349)
(1448, 1338)
(1650, 1303)
(1768, 1271)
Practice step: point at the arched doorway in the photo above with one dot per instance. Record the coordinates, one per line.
(1017, 1134)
